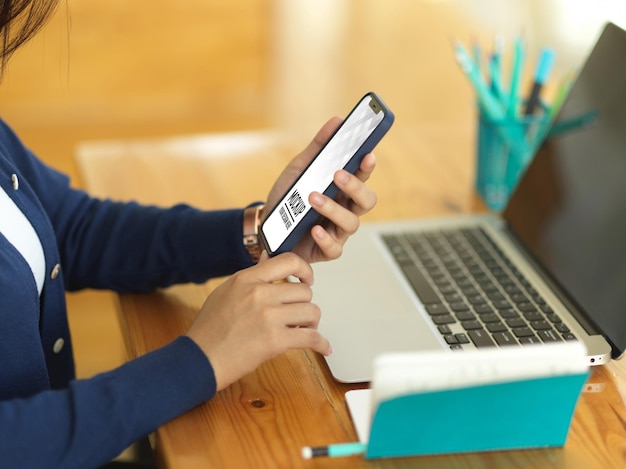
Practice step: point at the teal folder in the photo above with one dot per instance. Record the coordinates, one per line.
(524, 414)
(444, 403)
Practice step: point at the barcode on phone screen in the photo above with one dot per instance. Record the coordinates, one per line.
(285, 217)
(292, 209)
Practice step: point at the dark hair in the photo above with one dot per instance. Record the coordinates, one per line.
(19, 21)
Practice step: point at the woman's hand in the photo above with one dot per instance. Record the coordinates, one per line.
(255, 316)
(340, 216)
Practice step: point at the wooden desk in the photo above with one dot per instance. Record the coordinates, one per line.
(292, 401)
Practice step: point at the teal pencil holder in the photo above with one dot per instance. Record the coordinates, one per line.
(505, 148)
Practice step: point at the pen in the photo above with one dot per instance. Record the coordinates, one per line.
(516, 71)
(495, 64)
(333, 451)
(487, 101)
(544, 65)
(557, 103)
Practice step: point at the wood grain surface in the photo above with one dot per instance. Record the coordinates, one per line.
(292, 401)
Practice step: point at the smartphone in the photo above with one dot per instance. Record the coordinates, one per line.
(357, 136)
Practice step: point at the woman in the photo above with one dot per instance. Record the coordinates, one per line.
(54, 238)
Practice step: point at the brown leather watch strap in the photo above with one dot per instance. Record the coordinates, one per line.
(251, 223)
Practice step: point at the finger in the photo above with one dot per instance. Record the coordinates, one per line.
(367, 166)
(289, 292)
(322, 136)
(301, 315)
(305, 333)
(327, 130)
(308, 338)
(282, 266)
(362, 196)
(330, 247)
(343, 218)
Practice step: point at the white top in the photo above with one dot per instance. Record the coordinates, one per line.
(20, 233)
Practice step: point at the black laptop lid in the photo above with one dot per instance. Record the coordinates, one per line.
(569, 209)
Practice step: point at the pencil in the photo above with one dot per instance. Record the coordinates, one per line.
(333, 451)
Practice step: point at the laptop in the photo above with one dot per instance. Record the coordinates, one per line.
(551, 267)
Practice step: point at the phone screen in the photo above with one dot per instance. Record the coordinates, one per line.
(343, 145)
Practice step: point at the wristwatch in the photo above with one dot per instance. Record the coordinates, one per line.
(251, 223)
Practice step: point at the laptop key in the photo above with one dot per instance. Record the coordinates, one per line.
(483, 309)
(549, 336)
(450, 339)
(561, 328)
(489, 317)
(538, 299)
(530, 340)
(476, 299)
(469, 291)
(526, 306)
(453, 297)
(541, 325)
(472, 325)
(496, 327)
(420, 284)
(435, 309)
(516, 323)
(501, 304)
(462, 338)
(533, 316)
(508, 313)
(554, 318)
(459, 306)
(523, 332)
(481, 338)
(495, 295)
(446, 288)
(443, 319)
(504, 338)
(465, 316)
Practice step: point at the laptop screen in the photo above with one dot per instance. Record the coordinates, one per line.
(569, 209)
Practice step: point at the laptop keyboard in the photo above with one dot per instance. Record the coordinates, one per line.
(471, 290)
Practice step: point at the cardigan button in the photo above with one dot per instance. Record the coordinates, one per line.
(55, 271)
(15, 181)
(58, 345)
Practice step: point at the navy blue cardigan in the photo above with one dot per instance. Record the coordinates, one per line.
(47, 417)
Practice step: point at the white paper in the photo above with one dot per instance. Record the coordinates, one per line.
(398, 374)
